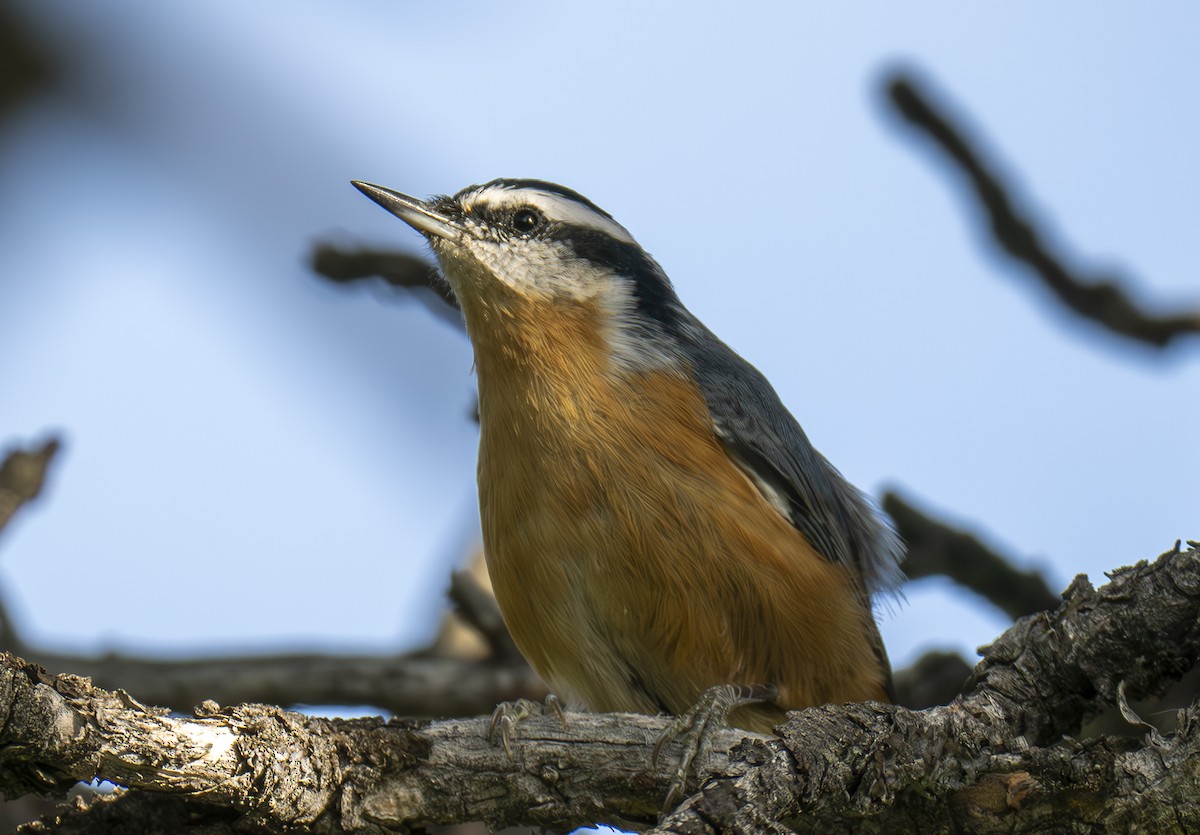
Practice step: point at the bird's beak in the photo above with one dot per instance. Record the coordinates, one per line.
(416, 213)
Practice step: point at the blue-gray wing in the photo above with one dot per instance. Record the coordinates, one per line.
(763, 438)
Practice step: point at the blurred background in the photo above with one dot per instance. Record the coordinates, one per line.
(256, 459)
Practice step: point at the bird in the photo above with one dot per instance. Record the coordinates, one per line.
(656, 523)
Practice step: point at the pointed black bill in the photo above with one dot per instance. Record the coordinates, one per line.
(416, 213)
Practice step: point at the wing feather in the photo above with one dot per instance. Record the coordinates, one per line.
(763, 439)
(766, 442)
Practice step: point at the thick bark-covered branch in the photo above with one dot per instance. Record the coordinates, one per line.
(995, 754)
(291, 770)
(1040, 680)
(970, 784)
(1096, 297)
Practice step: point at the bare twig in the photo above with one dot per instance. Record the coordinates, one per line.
(423, 684)
(22, 477)
(937, 548)
(1096, 297)
(397, 269)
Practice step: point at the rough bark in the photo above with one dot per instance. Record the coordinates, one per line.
(1039, 681)
(995, 759)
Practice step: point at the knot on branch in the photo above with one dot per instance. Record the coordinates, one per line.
(40, 731)
(294, 774)
(301, 768)
(1055, 669)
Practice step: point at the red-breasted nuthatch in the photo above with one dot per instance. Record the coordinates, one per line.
(655, 521)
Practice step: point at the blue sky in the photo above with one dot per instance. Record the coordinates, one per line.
(255, 459)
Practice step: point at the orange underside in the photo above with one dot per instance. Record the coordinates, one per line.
(634, 562)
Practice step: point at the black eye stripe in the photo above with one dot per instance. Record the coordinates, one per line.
(652, 291)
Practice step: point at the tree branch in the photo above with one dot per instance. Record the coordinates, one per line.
(873, 766)
(27, 67)
(397, 269)
(936, 548)
(418, 684)
(146, 814)
(933, 679)
(1102, 785)
(478, 607)
(22, 476)
(292, 770)
(1096, 297)
(1037, 682)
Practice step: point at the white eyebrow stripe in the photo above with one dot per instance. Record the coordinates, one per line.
(554, 206)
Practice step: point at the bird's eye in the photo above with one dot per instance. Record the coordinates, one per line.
(526, 220)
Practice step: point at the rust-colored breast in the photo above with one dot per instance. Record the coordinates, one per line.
(635, 564)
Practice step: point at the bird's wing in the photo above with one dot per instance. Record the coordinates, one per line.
(765, 441)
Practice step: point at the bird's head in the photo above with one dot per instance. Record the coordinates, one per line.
(513, 246)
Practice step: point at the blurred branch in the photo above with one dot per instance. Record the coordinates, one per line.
(936, 548)
(397, 269)
(933, 679)
(415, 685)
(127, 812)
(22, 476)
(1098, 298)
(437, 684)
(26, 68)
(478, 607)
(418, 684)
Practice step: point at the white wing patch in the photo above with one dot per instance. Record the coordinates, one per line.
(554, 206)
(773, 496)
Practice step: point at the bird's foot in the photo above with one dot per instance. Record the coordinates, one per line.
(696, 729)
(507, 715)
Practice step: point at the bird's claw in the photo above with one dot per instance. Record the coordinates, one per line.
(555, 706)
(507, 715)
(695, 731)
